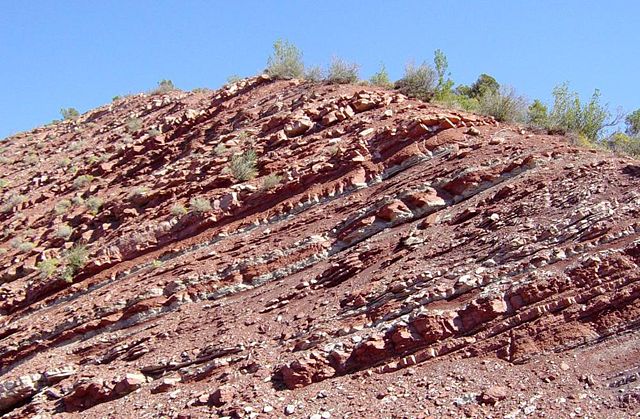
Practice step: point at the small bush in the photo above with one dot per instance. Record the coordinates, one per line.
(381, 78)
(505, 105)
(537, 114)
(138, 192)
(64, 231)
(12, 202)
(77, 200)
(25, 247)
(156, 263)
(220, 149)
(164, 86)
(75, 259)
(69, 114)
(94, 204)
(62, 207)
(624, 144)
(153, 132)
(64, 161)
(178, 210)
(418, 82)
(443, 90)
(31, 159)
(82, 181)
(243, 166)
(271, 181)
(3, 183)
(286, 61)
(48, 267)
(342, 72)
(314, 74)
(134, 124)
(200, 205)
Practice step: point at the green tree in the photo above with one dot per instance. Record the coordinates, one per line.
(286, 61)
(633, 123)
(443, 89)
(484, 84)
(538, 114)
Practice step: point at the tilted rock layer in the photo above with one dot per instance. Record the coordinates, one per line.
(406, 261)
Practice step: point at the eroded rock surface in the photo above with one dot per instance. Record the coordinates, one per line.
(409, 260)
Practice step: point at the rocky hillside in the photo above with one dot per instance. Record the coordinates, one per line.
(389, 259)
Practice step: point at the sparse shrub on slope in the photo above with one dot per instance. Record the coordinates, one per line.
(12, 202)
(537, 114)
(314, 74)
(342, 72)
(200, 205)
(69, 114)
(48, 267)
(243, 166)
(570, 115)
(418, 82)
(164, 86)
(505, 105)
(381, 78)
(622, 143)
(75, 259)
(286, 61)
(271, 181)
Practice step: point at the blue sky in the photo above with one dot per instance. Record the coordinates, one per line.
(80, 54)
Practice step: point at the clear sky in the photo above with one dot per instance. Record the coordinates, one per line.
(80, 54)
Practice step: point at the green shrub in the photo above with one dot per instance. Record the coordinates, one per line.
(13, 201)
(25, 247)
(505, 105)
(537, 114)
(314, 74)
(381, 78)
(48, 267)
(94, 204)
(31, 159)
(271, 181)
(622, 143)
(62, 206)
(164, 86)
(200, 205)
(82, 181)
(153, 132)
(418, 82)
(3, 183)
(570, 115)
(64, 161)
(342, 72)
(64, 231)
(69, 114)
(220, 149)
(243, 166)
(75, 259)
(286, 61)
(178, 210)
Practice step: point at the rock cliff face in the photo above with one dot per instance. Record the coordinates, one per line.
(409, 261)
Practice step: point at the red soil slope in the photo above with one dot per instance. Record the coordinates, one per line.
(412, 262)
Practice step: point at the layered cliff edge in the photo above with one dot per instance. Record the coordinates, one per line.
(406, 261)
